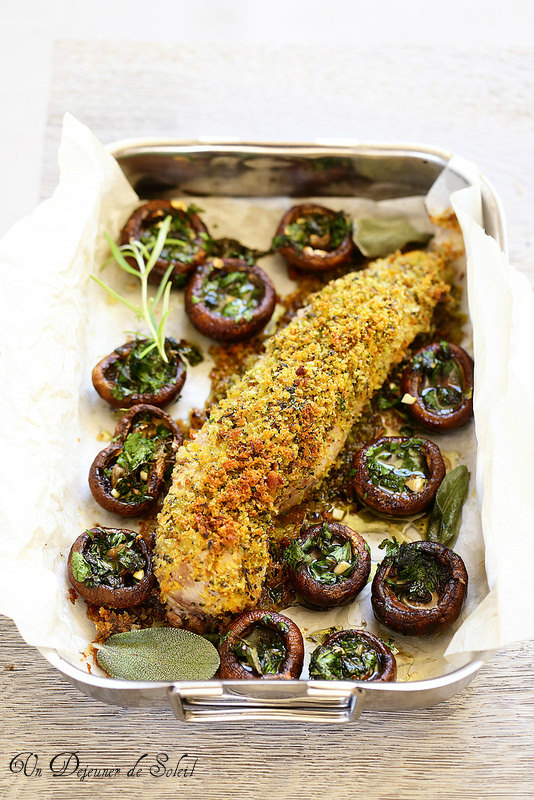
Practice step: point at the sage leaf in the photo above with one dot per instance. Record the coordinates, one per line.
(446, 515)
(380, 237)
(158, 654)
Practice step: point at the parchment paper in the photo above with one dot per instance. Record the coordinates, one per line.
(59, 324)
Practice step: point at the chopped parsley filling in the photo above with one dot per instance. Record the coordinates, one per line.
(147, 373)
(414, 575)
(350, 657)
(328, 558)
(318, 231)
(182, 241)
(442, 386)
(263, 649)
(111, 559)
(144, 374)
(398, 466)
(233, 295)
(145, 445)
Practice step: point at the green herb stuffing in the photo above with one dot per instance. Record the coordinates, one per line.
(144, 373)
(147, 444)
(414, 575)
(327, 558)
(137, 450)
(182, 242)
(111, 559)
(351, 657)
(442, 385)
(397, 466)
(263, 649)
(129, 475)
(319, 231)
(230, 294)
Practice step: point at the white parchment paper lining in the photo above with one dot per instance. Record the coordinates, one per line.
(58, 323)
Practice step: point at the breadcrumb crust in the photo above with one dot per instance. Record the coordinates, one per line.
(279, 430)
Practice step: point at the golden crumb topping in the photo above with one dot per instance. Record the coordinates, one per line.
(280, 428)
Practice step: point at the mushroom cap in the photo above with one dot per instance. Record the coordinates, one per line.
(291, 667)
(226, 329)
(124, 597)
(387, 670)
(319, 595)
(412, 620)
(399, 504)
(104, 384)
(412, 380)
(152, 212)
(310, 259)
(98, 483)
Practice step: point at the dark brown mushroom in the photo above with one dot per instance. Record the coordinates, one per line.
(229, 299)
(319, 251)
(353, 655)
(420, 589)
(279, 654)
(124, 361)
(142, 225)
(320, 575)
(98, 583)
(439, 378)
(107, 477)
(398, 489)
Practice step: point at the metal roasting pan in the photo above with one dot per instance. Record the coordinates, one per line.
(205, 167)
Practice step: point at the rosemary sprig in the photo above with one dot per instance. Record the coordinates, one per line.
(145, 261)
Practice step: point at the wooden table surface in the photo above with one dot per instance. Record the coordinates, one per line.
(479, 743)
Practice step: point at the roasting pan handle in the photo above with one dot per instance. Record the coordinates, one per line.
(247, 701)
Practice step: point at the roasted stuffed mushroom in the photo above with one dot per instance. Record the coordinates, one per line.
(261, 644)
(438, 386)
(229, 299)
(128, 376)
(127, 477)
(187, 243)
(353, 655)
(398, 475)
(314, 238)
(419, 588)
(328, 564)
(111, 567)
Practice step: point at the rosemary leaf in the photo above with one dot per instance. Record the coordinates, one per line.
(119, 257)
(147, 309)
(117, 296)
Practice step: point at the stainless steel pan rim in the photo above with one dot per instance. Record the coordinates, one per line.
(304, 700)
(493, 211)
(269, 700)
(123, 147)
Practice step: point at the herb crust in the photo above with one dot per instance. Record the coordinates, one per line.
(279, 430)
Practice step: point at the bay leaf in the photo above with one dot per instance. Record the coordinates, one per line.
(380, 237)
(446, 515)
(158, 654)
